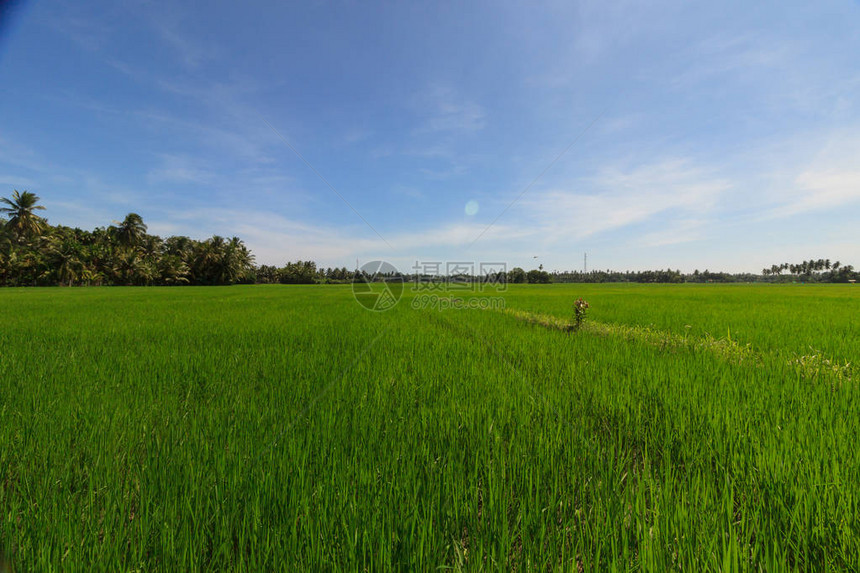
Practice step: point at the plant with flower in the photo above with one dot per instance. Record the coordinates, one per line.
(580, 310)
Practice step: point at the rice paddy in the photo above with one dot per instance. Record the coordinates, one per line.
(249, 428)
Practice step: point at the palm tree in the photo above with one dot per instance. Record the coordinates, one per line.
(89, 277)
(65, 258)
(151, 246)
(179, 245)
(242, 260)
(172, 270)
(69, 267)
(132, 230)
(128, 268)
(22, 221)
(207, 259)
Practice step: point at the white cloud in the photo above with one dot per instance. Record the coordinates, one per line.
(617, 198)
(353, 136)
(442, 174)
(181, 169)
(829, 180)
(169, 22)
(679, 232)
(738, 54)
(444, 110)
(407, 191)
(820, 190)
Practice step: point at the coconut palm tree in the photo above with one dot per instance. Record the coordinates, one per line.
(172, 270)
(242, 260)
(91, 277)
(22, 221)
(180, 246)
(128, 268)
(131, 231)
(64, 256)
(69, 267)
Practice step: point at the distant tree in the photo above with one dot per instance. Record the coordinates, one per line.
(172, 270)
(536, 276)
(128, 268)
(268, 274)
(300, 272)
(22, 221)
(131, 231)
(64, 256)
(151, 246)
(516, 275)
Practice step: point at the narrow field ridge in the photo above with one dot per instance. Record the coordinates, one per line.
(812, 366)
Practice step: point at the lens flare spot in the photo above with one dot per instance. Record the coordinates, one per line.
(471, 208)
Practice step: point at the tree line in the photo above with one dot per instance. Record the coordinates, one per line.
(302, 272)
(798, 273)
(34, 253)
(821, 270)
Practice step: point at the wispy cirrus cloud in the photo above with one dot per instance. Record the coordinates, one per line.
(170, 22)
(819, 190)
(442, 174)
(444, 110)
(738, 54)
(822, 175)
(617, 197)
(444, 118)
(181, 169)
(678, 232)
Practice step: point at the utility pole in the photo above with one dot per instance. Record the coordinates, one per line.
(585, 263)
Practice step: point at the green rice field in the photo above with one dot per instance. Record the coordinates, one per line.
(268, 428)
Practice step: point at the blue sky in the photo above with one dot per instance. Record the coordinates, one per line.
(705, 135)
